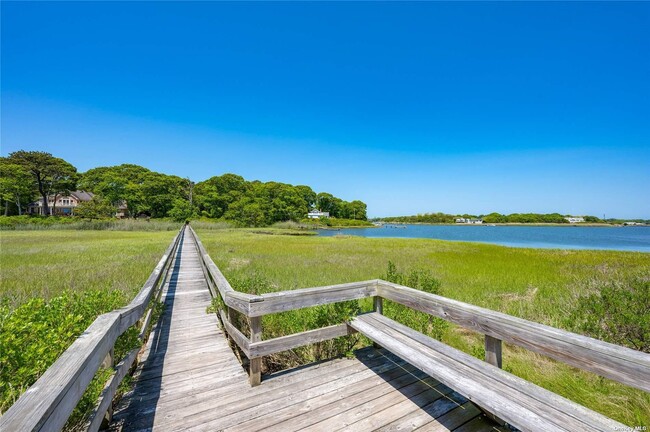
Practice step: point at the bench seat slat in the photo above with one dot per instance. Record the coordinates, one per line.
(488, 373)
(513, 399)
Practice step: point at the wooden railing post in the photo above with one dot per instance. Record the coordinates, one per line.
(378, 305)
(256, 363)
(493, 351)
(109, 362)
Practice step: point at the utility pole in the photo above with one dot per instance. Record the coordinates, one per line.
(190, 184)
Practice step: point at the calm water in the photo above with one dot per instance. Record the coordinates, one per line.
(570, 237)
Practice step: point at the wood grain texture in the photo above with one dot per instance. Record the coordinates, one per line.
(108, 393)
(237, 336)
(283, 301)
(522, 404)
(615, 362)
(284, 343)
(255, 376)
(493, 351)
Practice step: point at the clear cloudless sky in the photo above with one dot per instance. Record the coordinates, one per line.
(410, 107)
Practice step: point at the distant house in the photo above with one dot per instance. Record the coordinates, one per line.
(122, 210)
(317, 214)
(468, 221)
(575, 219)
(60, 205)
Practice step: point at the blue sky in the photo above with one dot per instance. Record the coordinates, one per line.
(410, 107)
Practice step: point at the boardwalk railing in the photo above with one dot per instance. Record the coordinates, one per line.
(48, 403)
(611, 361)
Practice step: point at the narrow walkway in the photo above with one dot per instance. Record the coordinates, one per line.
(189, 379)
(187, 353)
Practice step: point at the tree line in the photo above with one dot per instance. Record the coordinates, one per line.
(443, 218)
(26, 176)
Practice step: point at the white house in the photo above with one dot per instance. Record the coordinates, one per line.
(469, 221)
(575, 219)
(317, 214)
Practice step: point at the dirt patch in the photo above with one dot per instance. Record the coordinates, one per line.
(238, 263)
(528, 296)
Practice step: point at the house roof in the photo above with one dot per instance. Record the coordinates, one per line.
(82, 195)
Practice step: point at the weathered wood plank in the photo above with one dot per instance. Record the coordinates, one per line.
(447, 372)
(255, 362)
(618, 363)
(300, 391)
(453, 419)
(493, 351)
(378, 304)
(297, 299)
(420, 416)
(393, 406)
(478, 424)
(285, 343)
(131, 313)
(308, 412)
(361, 405)
(232, 298)
(108, 393)
(517, 401)
(240, 339)
(218, 401)
(234, 405)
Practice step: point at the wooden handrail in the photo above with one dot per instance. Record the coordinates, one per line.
(612, 361)
(48, 403)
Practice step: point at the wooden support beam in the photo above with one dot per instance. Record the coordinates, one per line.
(493, 351)
(256, 363)
(378, 304)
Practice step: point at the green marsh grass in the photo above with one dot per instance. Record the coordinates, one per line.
(53, 284)
(540, 285)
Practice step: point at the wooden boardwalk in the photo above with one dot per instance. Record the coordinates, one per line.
(190, 379)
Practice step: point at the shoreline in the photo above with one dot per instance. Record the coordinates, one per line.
(603, 225)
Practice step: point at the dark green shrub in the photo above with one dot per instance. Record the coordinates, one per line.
(422, 280)
(619, 313)
(35, 334)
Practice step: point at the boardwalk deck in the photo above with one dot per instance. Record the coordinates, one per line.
(189, 379)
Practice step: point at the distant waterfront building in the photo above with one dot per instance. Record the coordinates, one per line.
(469, 221)
(60, 205)
(317, 214)
(575, 219)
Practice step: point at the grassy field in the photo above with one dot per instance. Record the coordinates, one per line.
(46, 263)
(536, 284)
(53, 284)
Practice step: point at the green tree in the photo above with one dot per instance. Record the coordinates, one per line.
(15, 185)
(308, 195)
(358, 209)
(181, 211)
(96, 208)
(51, 175)
(247, 212)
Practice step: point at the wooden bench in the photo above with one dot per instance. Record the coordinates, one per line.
(514, 400)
